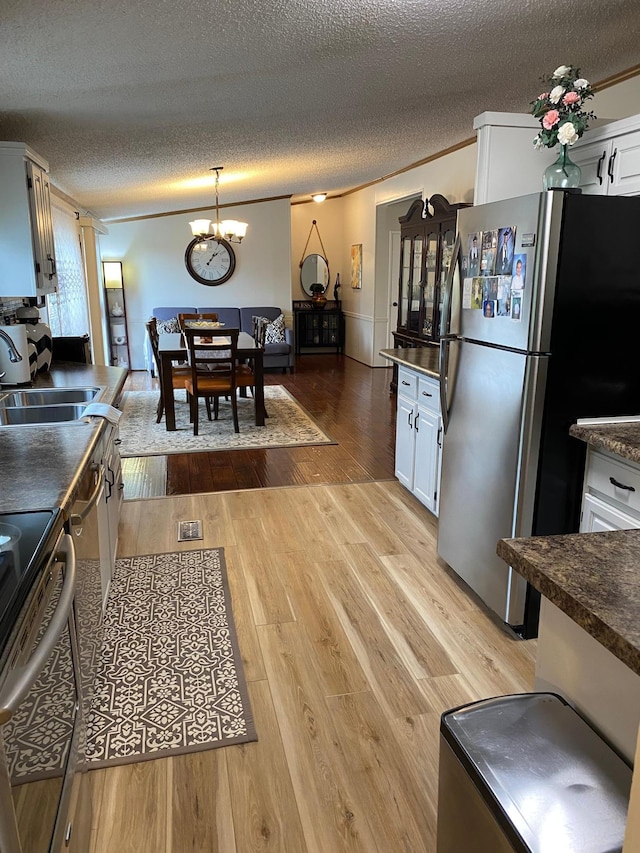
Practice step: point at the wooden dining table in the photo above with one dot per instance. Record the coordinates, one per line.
(171, 347)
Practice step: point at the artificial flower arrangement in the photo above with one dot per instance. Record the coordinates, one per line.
(560, 109)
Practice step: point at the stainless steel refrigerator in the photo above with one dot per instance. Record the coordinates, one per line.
(540, 326)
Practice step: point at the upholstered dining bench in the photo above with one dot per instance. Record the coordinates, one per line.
(277, 353)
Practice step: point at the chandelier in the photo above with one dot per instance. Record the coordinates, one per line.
(229, 229)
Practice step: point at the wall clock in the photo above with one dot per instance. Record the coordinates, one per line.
(209, 261)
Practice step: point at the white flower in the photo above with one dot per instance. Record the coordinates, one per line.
(555, 94)
(567, 134)
(562, 71)
(538, 144)
(581, 83)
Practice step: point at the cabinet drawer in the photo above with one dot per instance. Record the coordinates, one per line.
(598, 516)
(429, 394)
(407, 383)
(614, 479)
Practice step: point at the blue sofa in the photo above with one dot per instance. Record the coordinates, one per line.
(275, 355)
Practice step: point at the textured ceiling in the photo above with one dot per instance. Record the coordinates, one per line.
(132, 102)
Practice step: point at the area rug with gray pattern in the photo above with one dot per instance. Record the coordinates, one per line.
(287, 425)
(170, 677)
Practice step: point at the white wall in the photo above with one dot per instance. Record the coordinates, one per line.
(619, 101)
(329, 219)
(366, 317)
(152, 251)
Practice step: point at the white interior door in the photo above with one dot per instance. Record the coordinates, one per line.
(394, 271)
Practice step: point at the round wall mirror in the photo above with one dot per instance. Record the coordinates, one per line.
(315, 268)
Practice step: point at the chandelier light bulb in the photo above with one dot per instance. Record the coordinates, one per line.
(229, 229)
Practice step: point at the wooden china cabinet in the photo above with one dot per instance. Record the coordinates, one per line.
(427, 235)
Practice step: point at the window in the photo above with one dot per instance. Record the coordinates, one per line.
(68, 308)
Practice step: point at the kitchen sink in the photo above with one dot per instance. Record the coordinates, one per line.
(47, 397)
(41, 415)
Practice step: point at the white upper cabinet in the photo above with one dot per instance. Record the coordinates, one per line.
(610, 158)
(27, 253)
(509, 166)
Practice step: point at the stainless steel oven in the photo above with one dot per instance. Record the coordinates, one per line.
(40, 701)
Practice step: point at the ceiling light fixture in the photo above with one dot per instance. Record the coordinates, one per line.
(319, 197)
(229, 229)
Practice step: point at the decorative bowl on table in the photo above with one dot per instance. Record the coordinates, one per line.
(203, 324)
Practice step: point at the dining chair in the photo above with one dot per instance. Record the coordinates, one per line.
(217, 349)
(183, 319)
(179, 375)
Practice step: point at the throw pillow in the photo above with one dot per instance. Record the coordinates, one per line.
(273, 330)
(168, 327)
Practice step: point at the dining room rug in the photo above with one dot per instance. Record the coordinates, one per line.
(170, 677)
(288, 425)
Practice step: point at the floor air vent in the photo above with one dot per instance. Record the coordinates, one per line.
(188, 530)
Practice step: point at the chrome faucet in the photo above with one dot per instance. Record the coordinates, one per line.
(14, 355)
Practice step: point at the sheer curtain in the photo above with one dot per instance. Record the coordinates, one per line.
(68, 308)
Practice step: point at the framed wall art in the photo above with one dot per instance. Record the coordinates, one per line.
(356, 266)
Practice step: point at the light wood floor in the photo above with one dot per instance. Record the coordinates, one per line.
(354, 639)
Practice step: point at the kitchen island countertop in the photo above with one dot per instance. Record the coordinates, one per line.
(421, 359)
(622, 438)
(593, 578)
(39, 465)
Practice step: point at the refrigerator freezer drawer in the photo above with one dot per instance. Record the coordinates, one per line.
(481, 473)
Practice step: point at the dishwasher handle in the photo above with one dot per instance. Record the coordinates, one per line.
(79, 517)
(20, 680)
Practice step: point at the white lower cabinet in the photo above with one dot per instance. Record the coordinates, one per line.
(611, 498)
(419, 437)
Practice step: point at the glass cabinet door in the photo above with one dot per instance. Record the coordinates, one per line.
(405, 279)
(416, 285)
(431, 261)
(448, 238)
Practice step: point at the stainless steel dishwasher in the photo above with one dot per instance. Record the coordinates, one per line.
(50, 637)
(40, 700)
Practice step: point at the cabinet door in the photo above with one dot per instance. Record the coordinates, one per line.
(405, 441)
(624, 165)
(425, 485)
(430, 284)
(415, 300)
(42, 229)
(593, 160)
(405, 281)
(597, 516)
(447, 241)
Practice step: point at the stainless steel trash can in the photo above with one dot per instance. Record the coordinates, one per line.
(525, 773)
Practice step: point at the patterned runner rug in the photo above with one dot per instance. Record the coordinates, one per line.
(287, 425)
(170, 678)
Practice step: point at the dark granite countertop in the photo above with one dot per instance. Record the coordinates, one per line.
(593, 578)
(623, 439)
(421, 359)
(40, 466)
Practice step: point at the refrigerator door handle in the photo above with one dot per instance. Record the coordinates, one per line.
(444, 366)
(447, 300)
